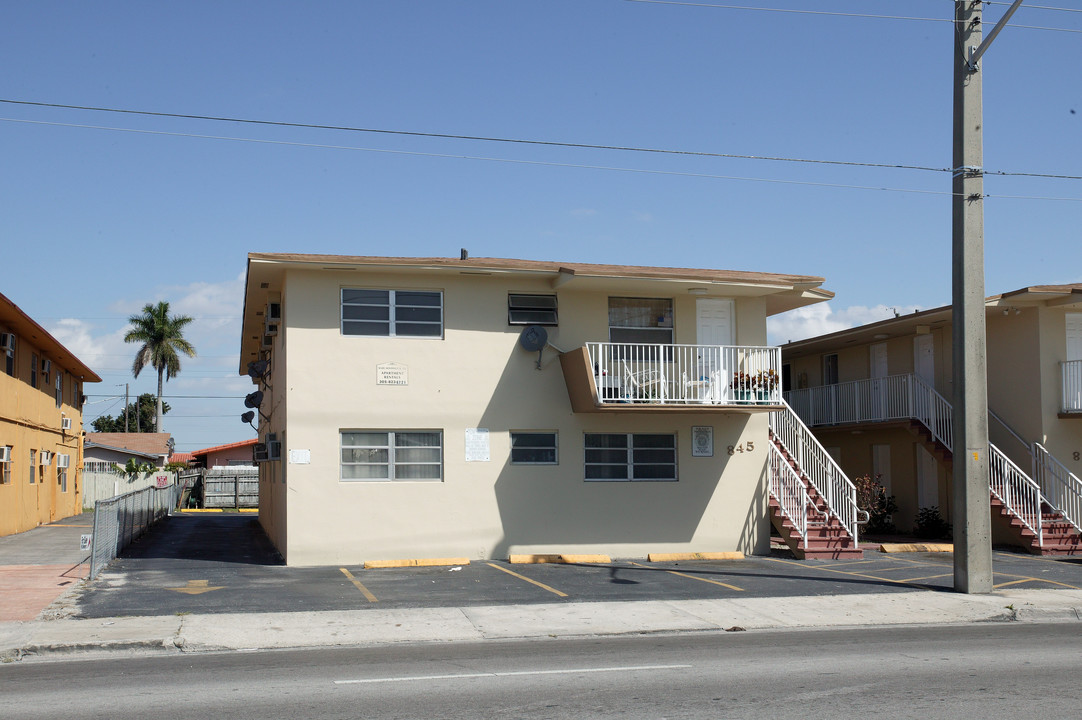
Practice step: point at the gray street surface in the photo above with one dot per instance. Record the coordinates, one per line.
(988, 670)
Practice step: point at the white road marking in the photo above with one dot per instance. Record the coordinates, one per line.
(575, 671)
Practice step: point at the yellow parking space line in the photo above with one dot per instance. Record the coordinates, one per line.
(695, 577)
(840, 572)
(1024, 579)
(534, 582)
(927, 577)
(357, 583)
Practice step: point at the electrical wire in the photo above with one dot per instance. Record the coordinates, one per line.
(449, 136)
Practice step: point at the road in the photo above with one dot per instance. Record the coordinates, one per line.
(994, 670)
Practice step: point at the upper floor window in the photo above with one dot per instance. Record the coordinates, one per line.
(392, 313)
(7, 348)
(33, 370)
(531, 309)
(830, 369)
(59, 388)
(640, 320)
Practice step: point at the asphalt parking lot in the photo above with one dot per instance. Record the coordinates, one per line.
(223, 563)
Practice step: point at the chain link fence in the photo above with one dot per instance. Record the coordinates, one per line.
(120, 520)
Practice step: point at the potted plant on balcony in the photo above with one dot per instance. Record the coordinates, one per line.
(765, 382)
(743, 387)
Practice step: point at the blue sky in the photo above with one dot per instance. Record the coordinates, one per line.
(166, 208)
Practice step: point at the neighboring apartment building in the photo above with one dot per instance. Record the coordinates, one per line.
(230, 454)
(879, 398)
(436, 407)
(41, 423)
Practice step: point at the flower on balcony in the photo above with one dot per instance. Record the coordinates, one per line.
(742, 381)
(765, 380)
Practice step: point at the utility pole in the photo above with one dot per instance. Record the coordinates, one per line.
(972, 515)
(125, 407)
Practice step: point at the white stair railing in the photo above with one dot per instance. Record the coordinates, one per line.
(1061, 488)
(1016, 490)
(933, 410)
(788, 489)
(821, 470)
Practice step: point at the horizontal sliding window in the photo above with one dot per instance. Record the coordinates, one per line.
(391, 455)
(631, 456)
(533, 448)
(392, 313)
(531, 310)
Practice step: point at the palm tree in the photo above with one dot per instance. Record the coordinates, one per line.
(162, 337)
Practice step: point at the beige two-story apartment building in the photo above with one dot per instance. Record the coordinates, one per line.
(41, 423)
(879, 398)
(484, 407)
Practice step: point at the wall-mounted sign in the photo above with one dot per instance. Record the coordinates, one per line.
(161, 481)
(702, 441)
(392, 374)
(84, 541)
(477, 447)
(300, 457)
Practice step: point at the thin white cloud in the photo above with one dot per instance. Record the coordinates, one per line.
(822, 319)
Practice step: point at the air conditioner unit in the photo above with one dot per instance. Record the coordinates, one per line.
(268, 342)
(7, 342)
(274, 311)
(5, 454)
(63, 460)
(274, 450)
(270, 327)
(65, 423)
(259, 452)
(45, 458)
(46, 366)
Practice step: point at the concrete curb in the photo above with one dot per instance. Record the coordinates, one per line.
(368, 627)
(915, 547)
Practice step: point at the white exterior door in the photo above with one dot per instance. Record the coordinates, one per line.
(881, 466)
(927, 479)
(714, 319)
(924, 358)
(877, 360)
(1074, 336)
(877, 369)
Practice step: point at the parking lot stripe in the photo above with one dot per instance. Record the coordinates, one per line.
(840, 572)
(358, 585)
(1024, 579)
(523, 577)
(701, 579)
(927, 577)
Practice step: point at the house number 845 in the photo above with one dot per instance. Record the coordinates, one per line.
(747, 447)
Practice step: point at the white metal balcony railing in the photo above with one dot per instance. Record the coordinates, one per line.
(789, 491)
(905, 397)
(1071, 372)
(1062, 488)
(686, 374)
(822, 471)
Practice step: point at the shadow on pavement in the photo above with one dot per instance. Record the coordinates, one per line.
(225, 537)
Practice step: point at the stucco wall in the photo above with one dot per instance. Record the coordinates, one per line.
(478, 377)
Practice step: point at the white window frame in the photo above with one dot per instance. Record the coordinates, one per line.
(5, 467)
(391, 448)
(537, 308)
(663, 329)
(630, 463)
(394, 324)
(554, 447)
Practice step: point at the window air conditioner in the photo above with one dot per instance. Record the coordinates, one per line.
(63, 460)
(270, 327)
(268, 342)
(7, 342)
(259, 452)
(45, 458)
(274, 311)
(46, 366)
(65, 423)
(5, 454)
(274, 450)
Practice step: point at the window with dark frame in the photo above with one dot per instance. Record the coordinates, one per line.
(534, 448)
(33, 465)
(524, 309)
(649, 457)
(5, 467)
(33, 370)
(7, 347)
(641, 320)
(392, 313)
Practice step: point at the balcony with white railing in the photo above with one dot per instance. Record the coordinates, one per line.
(1071, 373)
(637, 376)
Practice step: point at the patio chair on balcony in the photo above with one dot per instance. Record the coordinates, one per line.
(644, 385)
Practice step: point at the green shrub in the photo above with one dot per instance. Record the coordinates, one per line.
(931, 525)
(873, 499)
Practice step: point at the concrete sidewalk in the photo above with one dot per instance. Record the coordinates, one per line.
(246, 631)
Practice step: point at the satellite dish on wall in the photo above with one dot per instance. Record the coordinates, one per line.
(534, 338)
(254, 399)
(248, 416)
(257, 369)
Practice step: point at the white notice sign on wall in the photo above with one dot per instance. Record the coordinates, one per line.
(392, 374)
(477, 448)
(300, 457)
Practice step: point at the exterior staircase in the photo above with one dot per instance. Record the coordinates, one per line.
(1043, 512)
(812, 503)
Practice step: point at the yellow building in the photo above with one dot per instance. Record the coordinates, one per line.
(483, 407)
(41, 424)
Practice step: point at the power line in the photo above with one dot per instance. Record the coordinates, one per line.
(450, 136)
